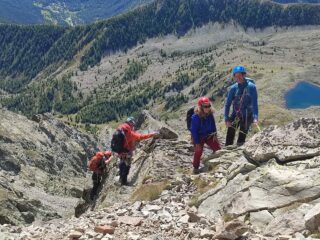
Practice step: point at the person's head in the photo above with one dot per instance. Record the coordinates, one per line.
(204, 106)
(239, 73)
(131, 121)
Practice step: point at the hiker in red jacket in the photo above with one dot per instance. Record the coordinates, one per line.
(131, 137)
(97, 164)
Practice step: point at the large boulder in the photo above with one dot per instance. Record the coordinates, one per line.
(148, 123)
(296, 141)
(259, 193)
(312, 219)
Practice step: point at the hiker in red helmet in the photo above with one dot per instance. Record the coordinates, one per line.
(97, 164)
(125, 152)
(203, 130)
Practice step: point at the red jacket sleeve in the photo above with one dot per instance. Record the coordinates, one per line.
(139, 137)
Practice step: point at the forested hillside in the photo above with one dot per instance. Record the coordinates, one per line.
(27, 51)
(63, 12)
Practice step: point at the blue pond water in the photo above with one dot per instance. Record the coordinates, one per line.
(303, 95)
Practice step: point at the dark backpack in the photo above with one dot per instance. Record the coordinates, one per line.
(117, 141)
(190, 112)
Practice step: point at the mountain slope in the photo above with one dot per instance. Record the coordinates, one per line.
(124, 71)
(42, 168)
(16, 11)
(268, 189)
(63, 12)
(297, 1)
(92, 42)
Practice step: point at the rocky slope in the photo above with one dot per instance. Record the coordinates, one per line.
(268, 189)
(42, 167)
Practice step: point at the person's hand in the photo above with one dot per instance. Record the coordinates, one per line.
(256, 124)
(107, 161)
(156, 134)
(228, 124)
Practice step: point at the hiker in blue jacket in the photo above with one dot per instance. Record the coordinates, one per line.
(203, 130)
(244, 100)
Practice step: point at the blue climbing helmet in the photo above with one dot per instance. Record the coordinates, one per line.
(239, 69)
(131, 121)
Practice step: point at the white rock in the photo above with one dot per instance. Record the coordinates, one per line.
(165, 216)
(137, 206)
(132, 236)
(312, 218)
(206, 233)
(184, 219)
(152, 208)
(261, 219)
(121, 212)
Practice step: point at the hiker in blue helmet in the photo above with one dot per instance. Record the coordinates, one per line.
(244, 100)
(239, 69)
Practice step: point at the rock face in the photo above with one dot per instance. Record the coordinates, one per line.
(271, 195)
(42, 167)
(312, 219)
(147, 122)
(155, 162)
(241, 194)
(296, 141)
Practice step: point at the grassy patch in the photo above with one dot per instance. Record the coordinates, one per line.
(228, 217)
(194, 201)
(145, 179)
(274, 115)
(204, 185)
(33, 154)
(315, 235)
(149, 192)
(201, 184)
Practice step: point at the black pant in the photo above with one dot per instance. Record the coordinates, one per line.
(124, 167)
(244, 125)
(96, 180)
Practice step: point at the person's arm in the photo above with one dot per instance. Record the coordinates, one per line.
(139, 137)
(108, 160)
(214, 127)
(254, 100)
(195, 125)
(229, 100)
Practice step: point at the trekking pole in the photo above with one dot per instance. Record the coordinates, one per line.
(257, 126)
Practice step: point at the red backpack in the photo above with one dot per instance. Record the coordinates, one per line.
(96, 163)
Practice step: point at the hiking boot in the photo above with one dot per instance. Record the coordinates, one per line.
(124, 181)
(196, 171)
(240, 144)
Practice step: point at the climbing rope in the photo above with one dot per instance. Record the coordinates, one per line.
(236, 123)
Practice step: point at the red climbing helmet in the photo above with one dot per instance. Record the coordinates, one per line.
(99, 154)
(203, 100)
